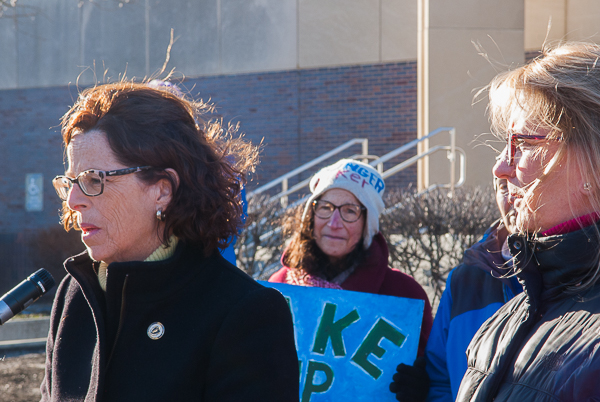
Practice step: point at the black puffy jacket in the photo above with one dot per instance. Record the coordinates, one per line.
(543, 345)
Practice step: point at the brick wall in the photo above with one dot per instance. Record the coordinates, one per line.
(30, 142)
(299, 115)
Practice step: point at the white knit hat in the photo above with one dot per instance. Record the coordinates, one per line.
(362, 180)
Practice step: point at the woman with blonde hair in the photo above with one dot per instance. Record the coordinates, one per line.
(544, 345)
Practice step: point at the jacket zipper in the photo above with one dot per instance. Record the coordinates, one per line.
(121, 317)
(519, 335)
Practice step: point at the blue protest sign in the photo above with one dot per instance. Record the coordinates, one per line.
(349, 343)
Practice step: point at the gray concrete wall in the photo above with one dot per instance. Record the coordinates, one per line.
(550, 21)
(57, 42)
(453, 69)
(544, 21)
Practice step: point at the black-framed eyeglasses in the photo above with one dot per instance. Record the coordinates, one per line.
(91, 182)
(512, 144)
(348, 212)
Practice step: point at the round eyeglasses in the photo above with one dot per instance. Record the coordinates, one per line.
(348, 212)
(91, 182)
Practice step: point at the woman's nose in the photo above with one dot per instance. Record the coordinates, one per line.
(335, 221)
(502, 169)
(76, 200)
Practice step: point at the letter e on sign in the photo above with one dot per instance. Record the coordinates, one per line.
(370, 345)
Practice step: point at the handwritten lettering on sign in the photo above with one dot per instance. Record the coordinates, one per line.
(349, 343)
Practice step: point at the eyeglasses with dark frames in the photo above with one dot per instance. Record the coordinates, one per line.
(512, 144)
(91, 182)
(348, 212)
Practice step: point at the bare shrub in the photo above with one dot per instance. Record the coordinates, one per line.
(260, 244)
(428, 233)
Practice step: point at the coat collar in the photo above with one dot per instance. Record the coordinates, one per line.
(549, 264)
(146, 281)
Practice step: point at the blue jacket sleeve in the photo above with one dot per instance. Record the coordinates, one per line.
(435, 352)
(229, 252)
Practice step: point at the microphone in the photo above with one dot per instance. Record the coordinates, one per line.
(24, 294)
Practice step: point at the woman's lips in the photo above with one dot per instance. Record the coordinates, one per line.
(513, 197)
(334, 237)
(88, 229)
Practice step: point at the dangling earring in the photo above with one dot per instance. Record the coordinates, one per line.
(159, 215)
(587, 186)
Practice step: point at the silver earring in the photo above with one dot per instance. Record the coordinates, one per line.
(587, 186)
(159, 215)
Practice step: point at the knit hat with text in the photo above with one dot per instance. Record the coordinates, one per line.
(360, 179)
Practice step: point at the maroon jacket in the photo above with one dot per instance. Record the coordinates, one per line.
(375, 276)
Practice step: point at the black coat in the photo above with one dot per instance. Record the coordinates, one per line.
(226, 338)
(543, 345)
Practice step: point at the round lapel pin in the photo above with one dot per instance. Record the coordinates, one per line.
(156, 330)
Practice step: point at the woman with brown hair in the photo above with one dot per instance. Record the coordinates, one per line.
(151, 311)
(337, 244)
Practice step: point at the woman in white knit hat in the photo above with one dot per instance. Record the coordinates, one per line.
(337, 243)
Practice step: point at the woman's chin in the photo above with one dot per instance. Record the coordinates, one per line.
(334, 259)
(524, 226)
(96, 253)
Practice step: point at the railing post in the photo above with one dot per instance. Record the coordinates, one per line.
(452, 157)
(365, 149)
(284, 187)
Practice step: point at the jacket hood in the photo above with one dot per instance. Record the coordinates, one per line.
(487, 254)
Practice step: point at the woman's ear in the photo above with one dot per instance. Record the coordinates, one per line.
(166, 190)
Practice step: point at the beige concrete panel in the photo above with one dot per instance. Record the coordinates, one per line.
(538, 15)
(583, 20)
(8, 53)
(338, 32)
(47, 43)
(113, 41)
(258, 35)
(398, 30)
(456, 72)
(483, 14)
(195, 27)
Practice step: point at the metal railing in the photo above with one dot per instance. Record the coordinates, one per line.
(378, 162)
(451, 149)
(283, 180)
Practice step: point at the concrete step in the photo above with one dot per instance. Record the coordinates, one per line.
(24, 334)
(23, 344)
(30, 328)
